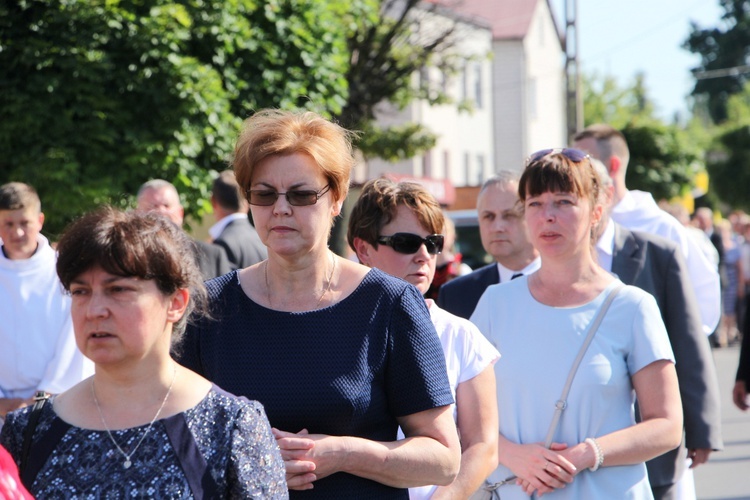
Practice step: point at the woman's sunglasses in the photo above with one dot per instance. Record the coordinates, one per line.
(295, 197)
(574, 155)
(409, 243)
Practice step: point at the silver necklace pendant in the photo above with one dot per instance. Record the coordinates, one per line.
(127, 463)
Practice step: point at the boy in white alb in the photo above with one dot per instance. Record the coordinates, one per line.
(37, 345)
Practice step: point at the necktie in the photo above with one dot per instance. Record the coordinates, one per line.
(517, 275)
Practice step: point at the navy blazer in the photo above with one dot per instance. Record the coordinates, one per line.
(460, 295)
(656, 265)
(743, 368)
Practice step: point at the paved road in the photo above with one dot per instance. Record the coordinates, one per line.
(726, 476)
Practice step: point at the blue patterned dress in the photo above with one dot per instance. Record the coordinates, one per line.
(221, 448)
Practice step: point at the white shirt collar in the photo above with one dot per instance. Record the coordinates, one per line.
(216, 230)
(506, 274)
(606, 245)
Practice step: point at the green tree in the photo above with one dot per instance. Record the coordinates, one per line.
(98, 96)
(728, 166)
(728, 157)
(662, 161)
(606, 101)
(390, 41)
(724, 53)
(663, 158)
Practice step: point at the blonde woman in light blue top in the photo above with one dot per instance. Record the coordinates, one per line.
(539, 323)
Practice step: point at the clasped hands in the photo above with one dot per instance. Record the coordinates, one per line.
(308, 457)
(543, 470)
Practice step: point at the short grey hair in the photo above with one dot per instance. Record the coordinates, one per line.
(503, 178)
(604, 178)
(156, 184)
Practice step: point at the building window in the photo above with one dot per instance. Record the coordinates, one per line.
(446, 164)
(532, 98)
(480, 170)
(427, 164)
(424, 78)
(467, 169)
(465, 82)
(478, 86)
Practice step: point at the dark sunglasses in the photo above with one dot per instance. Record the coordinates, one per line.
(574, 155)
(409, 243)
(295, 197)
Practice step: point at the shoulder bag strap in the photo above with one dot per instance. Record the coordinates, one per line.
(40, 398)
(562, 403)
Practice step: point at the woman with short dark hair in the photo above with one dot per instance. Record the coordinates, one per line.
(142, 425)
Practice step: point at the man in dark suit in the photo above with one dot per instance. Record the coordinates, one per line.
(656, 265)
(161, 196)
(742, 380)
(233, 230)
(504, 236)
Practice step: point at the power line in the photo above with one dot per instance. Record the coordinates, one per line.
(646, 32)
(719, 73)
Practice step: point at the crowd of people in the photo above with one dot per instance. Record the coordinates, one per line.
(139, 361)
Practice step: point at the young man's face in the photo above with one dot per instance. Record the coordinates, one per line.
(18, 230)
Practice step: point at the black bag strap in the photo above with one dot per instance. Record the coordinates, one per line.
(40, 398)
(41, 450)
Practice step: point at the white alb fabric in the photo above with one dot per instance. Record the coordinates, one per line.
(37, 345)
(467, 354)
(605, 246)
(539, 344)
(638, 211)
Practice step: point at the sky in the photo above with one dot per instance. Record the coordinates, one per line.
(620, 38)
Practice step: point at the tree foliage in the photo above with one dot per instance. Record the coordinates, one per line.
(389, 41)
(98, 96)
(606, 101)
(728, 166)
(729, 153)
(663, 158)
(724, 52)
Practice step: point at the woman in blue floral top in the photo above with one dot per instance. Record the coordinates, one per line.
(143, 426)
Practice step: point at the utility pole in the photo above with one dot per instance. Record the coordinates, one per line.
(574, 99)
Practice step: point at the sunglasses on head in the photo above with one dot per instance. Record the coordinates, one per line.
(574, 155)
(409, 243)
(295, 197)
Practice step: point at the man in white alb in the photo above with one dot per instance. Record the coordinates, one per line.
(37, 345)
(637, 211)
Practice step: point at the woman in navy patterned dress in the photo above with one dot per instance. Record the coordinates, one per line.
(340, 355)
(142, 426)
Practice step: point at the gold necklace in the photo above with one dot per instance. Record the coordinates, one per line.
(127, 456)
(328, 287)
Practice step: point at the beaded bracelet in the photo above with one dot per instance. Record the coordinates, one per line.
(597, 452)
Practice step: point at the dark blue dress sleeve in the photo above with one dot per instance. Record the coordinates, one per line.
(416, 370)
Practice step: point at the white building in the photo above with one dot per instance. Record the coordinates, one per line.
(464, 150)
(528, 77)
(517, 95)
